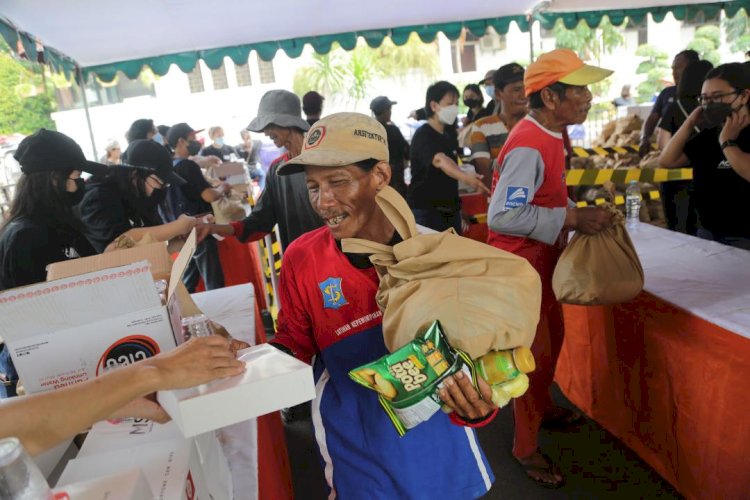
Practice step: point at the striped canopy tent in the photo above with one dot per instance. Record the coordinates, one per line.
(106, 36)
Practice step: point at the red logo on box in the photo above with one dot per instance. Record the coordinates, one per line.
(127, 351)
(189, 487)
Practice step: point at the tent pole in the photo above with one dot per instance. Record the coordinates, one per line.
(82, 86)
(531, 40)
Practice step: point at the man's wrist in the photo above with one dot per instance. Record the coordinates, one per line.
(729, 143)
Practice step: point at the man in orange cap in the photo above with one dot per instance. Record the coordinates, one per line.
(530, 215)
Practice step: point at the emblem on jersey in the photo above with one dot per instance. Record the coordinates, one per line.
(516, 197)
(333, 296)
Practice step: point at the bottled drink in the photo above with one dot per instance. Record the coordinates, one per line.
(20, 478)
(497, 367)
(506, 372)
(633, 202)
(196, 326)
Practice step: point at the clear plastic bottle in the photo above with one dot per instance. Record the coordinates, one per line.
(196, 326)
(633, 203)
(20, 478)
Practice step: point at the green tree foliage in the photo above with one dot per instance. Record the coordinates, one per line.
(655, 67)
(25, 103)
(350, 74)
(591, 44)
(706, 42)
(738, 31)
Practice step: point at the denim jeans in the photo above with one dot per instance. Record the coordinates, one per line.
(205, 264)
(439, 220)
(7, 369)
(734, 241)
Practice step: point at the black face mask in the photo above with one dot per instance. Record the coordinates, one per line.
(472, 103)
(157, 196)
(716, 113)
(76, 196)
(193, 147)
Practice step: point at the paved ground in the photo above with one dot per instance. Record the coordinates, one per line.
(595, 463)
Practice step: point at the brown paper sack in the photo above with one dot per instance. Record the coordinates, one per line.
(485, 298)
(599, 269)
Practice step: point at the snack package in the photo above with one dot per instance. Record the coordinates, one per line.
(408, 380)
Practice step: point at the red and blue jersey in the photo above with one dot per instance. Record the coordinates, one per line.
(328, 312)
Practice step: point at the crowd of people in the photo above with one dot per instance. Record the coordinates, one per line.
(322, 190)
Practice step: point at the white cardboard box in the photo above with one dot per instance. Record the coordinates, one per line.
(98, 315)
(67, 331)
(172, 468)
(273, 380)
(126, 485)
(108, 436)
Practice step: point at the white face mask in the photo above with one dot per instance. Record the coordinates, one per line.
(448, 114)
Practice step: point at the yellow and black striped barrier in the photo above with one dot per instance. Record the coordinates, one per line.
(597, 177)
(619, 200)
(600, 151)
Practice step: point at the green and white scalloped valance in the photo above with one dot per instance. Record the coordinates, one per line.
(130, 40)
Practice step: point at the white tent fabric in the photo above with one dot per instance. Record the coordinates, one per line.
(106, 31)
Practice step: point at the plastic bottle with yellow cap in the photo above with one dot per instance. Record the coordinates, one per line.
(506, 371)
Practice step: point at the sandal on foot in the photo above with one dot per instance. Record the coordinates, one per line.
(548, 467)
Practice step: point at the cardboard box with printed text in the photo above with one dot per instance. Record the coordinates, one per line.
(99, 313)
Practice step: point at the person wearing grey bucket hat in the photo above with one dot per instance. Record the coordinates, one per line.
(284, 201)
(279, 108)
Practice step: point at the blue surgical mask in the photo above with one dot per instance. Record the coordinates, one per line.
(490, 91)
(219, 141)
(158, 138)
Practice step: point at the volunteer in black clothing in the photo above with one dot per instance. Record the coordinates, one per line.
(679, 209)
(719, 154)
(665, 99)
(398, 148)
(42, 228)
(125, 201)
(217, 147)
(433, 192)
(473, 100)
(194, 198)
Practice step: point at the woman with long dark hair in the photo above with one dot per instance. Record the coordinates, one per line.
(715, 140)
(42, 227)
(126, 200)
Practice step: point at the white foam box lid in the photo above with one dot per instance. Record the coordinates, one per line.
(125, 485)
(273, 380)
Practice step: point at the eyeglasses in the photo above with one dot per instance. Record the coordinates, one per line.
(705, 99)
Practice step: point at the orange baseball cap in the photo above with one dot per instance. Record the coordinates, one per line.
(561, 65)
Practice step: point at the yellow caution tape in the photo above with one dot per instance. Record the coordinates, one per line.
(597, 177)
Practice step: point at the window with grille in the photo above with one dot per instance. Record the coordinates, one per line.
(219, 77)
(195, 79)
(265, 68)
(243, 75)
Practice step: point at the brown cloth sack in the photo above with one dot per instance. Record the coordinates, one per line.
(599, 269)
(227, 209)
(485, 298)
